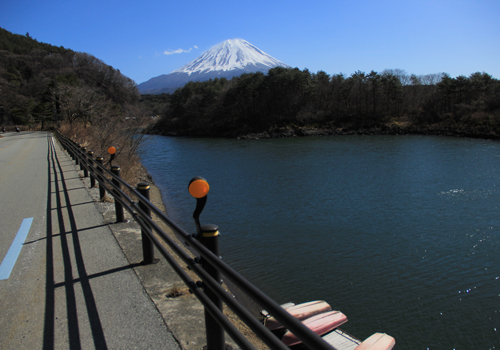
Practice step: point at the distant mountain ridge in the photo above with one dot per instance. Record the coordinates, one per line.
(228, 59)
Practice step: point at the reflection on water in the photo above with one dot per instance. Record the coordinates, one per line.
(401, 233)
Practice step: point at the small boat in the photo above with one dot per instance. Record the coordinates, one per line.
(284, 306)
(301, 312)
(377, 341)
(319, 324)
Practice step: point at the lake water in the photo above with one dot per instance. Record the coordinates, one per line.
(400, 233)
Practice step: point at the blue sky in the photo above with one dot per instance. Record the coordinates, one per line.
(458, 37)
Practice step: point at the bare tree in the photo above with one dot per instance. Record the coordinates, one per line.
(78, 103)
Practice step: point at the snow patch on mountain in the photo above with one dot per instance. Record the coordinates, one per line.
(231, 55)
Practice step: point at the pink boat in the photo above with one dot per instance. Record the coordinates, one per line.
(377, 341)
(301, 312)
(319, 324)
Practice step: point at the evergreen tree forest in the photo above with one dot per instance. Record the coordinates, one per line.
(290, 102)
(41, 84)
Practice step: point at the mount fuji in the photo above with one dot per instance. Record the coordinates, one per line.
(228, 59)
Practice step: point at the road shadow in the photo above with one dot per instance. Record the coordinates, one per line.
(62, 205)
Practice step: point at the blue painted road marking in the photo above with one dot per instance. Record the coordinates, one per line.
(15, 248)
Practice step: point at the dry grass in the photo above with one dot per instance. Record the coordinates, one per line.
(122, 134)
(400, 122)
(176, 291)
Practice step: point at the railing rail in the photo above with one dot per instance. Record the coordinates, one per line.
(110, 182)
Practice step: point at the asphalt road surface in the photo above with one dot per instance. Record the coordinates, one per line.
(64, 281)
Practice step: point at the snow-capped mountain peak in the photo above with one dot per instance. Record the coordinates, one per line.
(230, 55)
(228, 59)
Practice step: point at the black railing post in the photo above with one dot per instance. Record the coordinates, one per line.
(102, 191)
(148, 252)
(91, 162)
(215, 333)
(76, 157)
(82, 151)
(115, 169)
(85, 166)
(209, 237)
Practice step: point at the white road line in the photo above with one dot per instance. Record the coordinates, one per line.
(15, 248)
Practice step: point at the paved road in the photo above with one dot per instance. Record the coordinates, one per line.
(23, 183)
(71, 287)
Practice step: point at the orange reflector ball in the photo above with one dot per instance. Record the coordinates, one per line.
(199, 188)
(111, 150)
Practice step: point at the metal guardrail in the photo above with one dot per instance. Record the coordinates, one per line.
(208, 266)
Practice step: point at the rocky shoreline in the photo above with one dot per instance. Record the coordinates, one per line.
(287, 132)
(479, 132)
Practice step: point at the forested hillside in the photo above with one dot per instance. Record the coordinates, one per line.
(41, 83)
(94, 104)
(288, 102)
